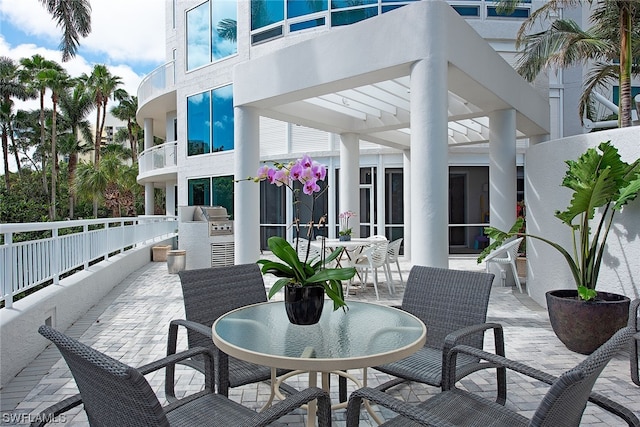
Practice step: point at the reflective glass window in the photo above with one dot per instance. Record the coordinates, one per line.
(307, 24)
(198, 124)
(199, 191)
(266, 12)
(224, 15)
(297, 8)
(347, 17)
(222, 103)
(467, 10)
(222, 187)
(339, 4)
(492, 12)
(198, 36)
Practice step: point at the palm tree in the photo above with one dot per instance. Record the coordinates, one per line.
(126, 111)
(615, 32)
(102, 85)
(57, 82)
(75, 105)
(10, 87)
(75, 19)
(31, 67)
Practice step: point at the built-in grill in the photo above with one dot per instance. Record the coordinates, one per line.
(217, 217)
(206, 232)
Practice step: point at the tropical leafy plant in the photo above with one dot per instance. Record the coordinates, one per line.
(292, 270)
(598, 180)
(313, 271)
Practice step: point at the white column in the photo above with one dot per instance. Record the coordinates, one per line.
(148, 199)
(170, 198)
(502, 169)
(350, 178)
(429, 150)
(406, 197)
(246, 210)
(148, 133)
(148, 187)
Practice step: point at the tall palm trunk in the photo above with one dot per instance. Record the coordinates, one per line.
(624, 115)
(54, 160)
(71, 178)
(45, 185)
(5, 155)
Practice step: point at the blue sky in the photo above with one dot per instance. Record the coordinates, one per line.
(128, 36)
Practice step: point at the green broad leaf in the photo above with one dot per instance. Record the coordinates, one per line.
(276, 268)
(332, 274)
(586, 294)
(630, 191)
(279, 284)
(499, 237)
(284, 251)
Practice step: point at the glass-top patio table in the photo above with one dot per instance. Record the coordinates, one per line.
(365, 335)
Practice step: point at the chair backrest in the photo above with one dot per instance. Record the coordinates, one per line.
(509, 250)
(379, 253)
(447, 300)
(211, 292)
(393, 251)
(566, 399)
(113, 393)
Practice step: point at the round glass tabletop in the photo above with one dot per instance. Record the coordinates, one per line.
(365, 335)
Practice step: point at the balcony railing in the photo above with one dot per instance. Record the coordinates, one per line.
(157, 82)
(157, 157)
(69, 245)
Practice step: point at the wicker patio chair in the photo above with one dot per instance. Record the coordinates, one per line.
(562, 405)
(115, 394)
(208, 294)
(634, 323)
(453, 306)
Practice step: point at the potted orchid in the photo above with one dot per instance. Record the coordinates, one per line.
(305, 278)
(345, 230)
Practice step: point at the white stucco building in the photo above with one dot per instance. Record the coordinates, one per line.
(393, 96)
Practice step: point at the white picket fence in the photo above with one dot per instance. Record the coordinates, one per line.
(70, 245)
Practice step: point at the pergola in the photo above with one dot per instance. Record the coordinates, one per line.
(418, 79)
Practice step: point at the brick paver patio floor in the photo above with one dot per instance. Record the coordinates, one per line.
(131, 324)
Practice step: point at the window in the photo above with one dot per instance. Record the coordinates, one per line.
(198, 124)
(297, 8)
(266, 12)
(211, 32)
(210, 119)
(214, 191)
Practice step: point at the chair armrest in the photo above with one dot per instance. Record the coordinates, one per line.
(53, 411)
(292, 402)
(596, 398)
(400, 407)
(172, 359)
(454, 338)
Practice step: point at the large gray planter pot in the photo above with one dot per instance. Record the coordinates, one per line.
(584, 326)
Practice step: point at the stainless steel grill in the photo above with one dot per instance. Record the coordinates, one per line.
(217, 217)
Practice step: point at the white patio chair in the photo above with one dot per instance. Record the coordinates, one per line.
(393, 253)
(371, 258)
(503, 256)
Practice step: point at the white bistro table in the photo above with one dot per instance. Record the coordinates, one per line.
(365, 335)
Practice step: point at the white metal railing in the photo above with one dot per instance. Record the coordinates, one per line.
(157, 157)
(157, 82)
(69, 245)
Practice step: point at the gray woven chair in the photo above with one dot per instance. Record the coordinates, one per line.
(453, 306)
(208, 294)
(634, 323)
(563, 404)
(115, 394)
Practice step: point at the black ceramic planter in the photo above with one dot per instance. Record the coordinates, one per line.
(583, 326)
(304, 303)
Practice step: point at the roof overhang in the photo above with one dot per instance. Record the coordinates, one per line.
(357, 79)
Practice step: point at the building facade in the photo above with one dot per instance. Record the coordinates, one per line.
(391, 95)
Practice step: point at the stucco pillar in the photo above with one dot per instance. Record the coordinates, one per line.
(502, 169)
(350, 179)
(246, 209)
(148, 187)
(148, 199)
(148, 133)
(429, 150)
(406, 197)
(170, 198)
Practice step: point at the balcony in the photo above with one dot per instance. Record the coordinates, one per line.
(158, 163)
